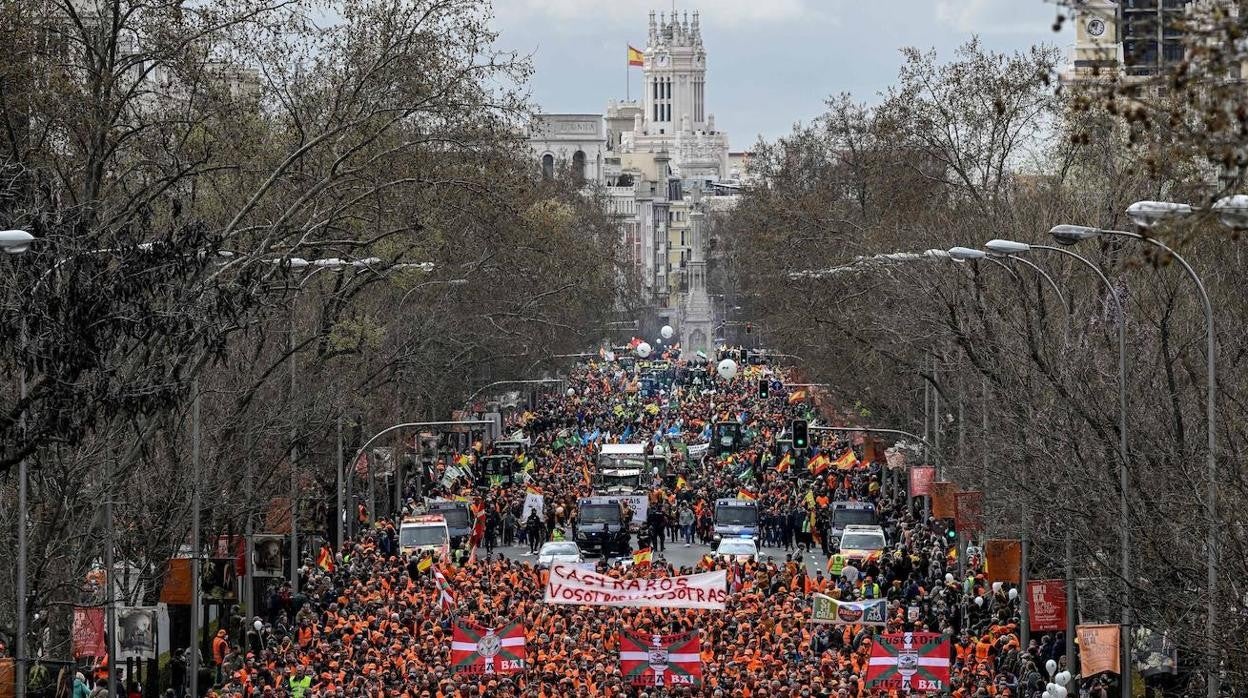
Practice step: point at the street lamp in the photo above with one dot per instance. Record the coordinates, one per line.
(15, 241)
(1232, 211)
(1012, 247)
(1147, 214)
(1008, 250)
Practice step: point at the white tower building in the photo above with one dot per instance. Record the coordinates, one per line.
(674, 117)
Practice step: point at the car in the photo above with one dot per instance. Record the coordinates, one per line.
(738, 549)
(861, 544)
(559, 551)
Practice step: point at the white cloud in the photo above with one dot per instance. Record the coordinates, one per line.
(992, 16)
(630, 12)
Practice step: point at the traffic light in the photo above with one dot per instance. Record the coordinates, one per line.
(764, 388)
(801, 439)
(951, 533)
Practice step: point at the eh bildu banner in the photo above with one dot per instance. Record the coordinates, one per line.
(568, 584)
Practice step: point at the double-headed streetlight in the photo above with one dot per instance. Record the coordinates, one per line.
(1013, 249)
(1233, 213)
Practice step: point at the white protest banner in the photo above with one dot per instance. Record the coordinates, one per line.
(698, 450)
(448, 478)
(825, 609)
(569, 584)
(533, 502)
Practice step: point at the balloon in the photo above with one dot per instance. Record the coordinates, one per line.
(979, 601)
(258, 626)
(643, 350)
(571, 392)
(666, 332)
(1045, 695)
(996, 587)
(1058, 691)
(727, 369)
(609, 356)
(1050, 666)
(1013, 594)
(1062, 678)
(948, 577)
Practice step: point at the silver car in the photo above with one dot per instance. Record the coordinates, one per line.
(564, 551)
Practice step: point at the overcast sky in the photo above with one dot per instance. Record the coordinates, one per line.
(770, 62)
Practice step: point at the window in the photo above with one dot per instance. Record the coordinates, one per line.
(548, 165)
(578, 165)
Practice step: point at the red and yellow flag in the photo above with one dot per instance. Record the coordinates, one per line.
(820, 463)
(636, 57)
(643, 557)
(746, 495)
(785, 463)
(797, 396)
(325, 559)
(847, 460)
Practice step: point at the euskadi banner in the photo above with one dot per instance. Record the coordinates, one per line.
(569, 584)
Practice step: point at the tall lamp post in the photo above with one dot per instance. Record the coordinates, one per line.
(1015, 248)
(969, 254)
(1233, 212)
(16, 242)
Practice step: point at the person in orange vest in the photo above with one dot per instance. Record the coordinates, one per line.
(220, 648)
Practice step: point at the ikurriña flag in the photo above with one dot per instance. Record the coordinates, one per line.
(661, 660)
(912, 662)
(476, 649)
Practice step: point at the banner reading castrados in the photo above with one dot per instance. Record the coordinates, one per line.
(569, 584)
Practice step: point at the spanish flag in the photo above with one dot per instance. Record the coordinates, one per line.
(532, 489)
(642, 557)
(797, 396)
(820, 463)
(785, 463)
(847, 460)
(746, 495)
(325, 559)
(636, 57)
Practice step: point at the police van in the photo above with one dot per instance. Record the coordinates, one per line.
(735, 518)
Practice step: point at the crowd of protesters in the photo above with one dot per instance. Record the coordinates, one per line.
(373, 625)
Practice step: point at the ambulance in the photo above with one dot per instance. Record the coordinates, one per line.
(418, 534)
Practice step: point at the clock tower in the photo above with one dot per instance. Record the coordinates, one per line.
(1098, 51)
(675, 75)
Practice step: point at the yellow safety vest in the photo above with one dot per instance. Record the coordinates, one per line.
(836, 563)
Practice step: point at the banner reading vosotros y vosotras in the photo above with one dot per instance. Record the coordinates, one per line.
(570, 585)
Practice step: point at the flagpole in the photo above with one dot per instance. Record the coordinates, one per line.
(628, 78)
